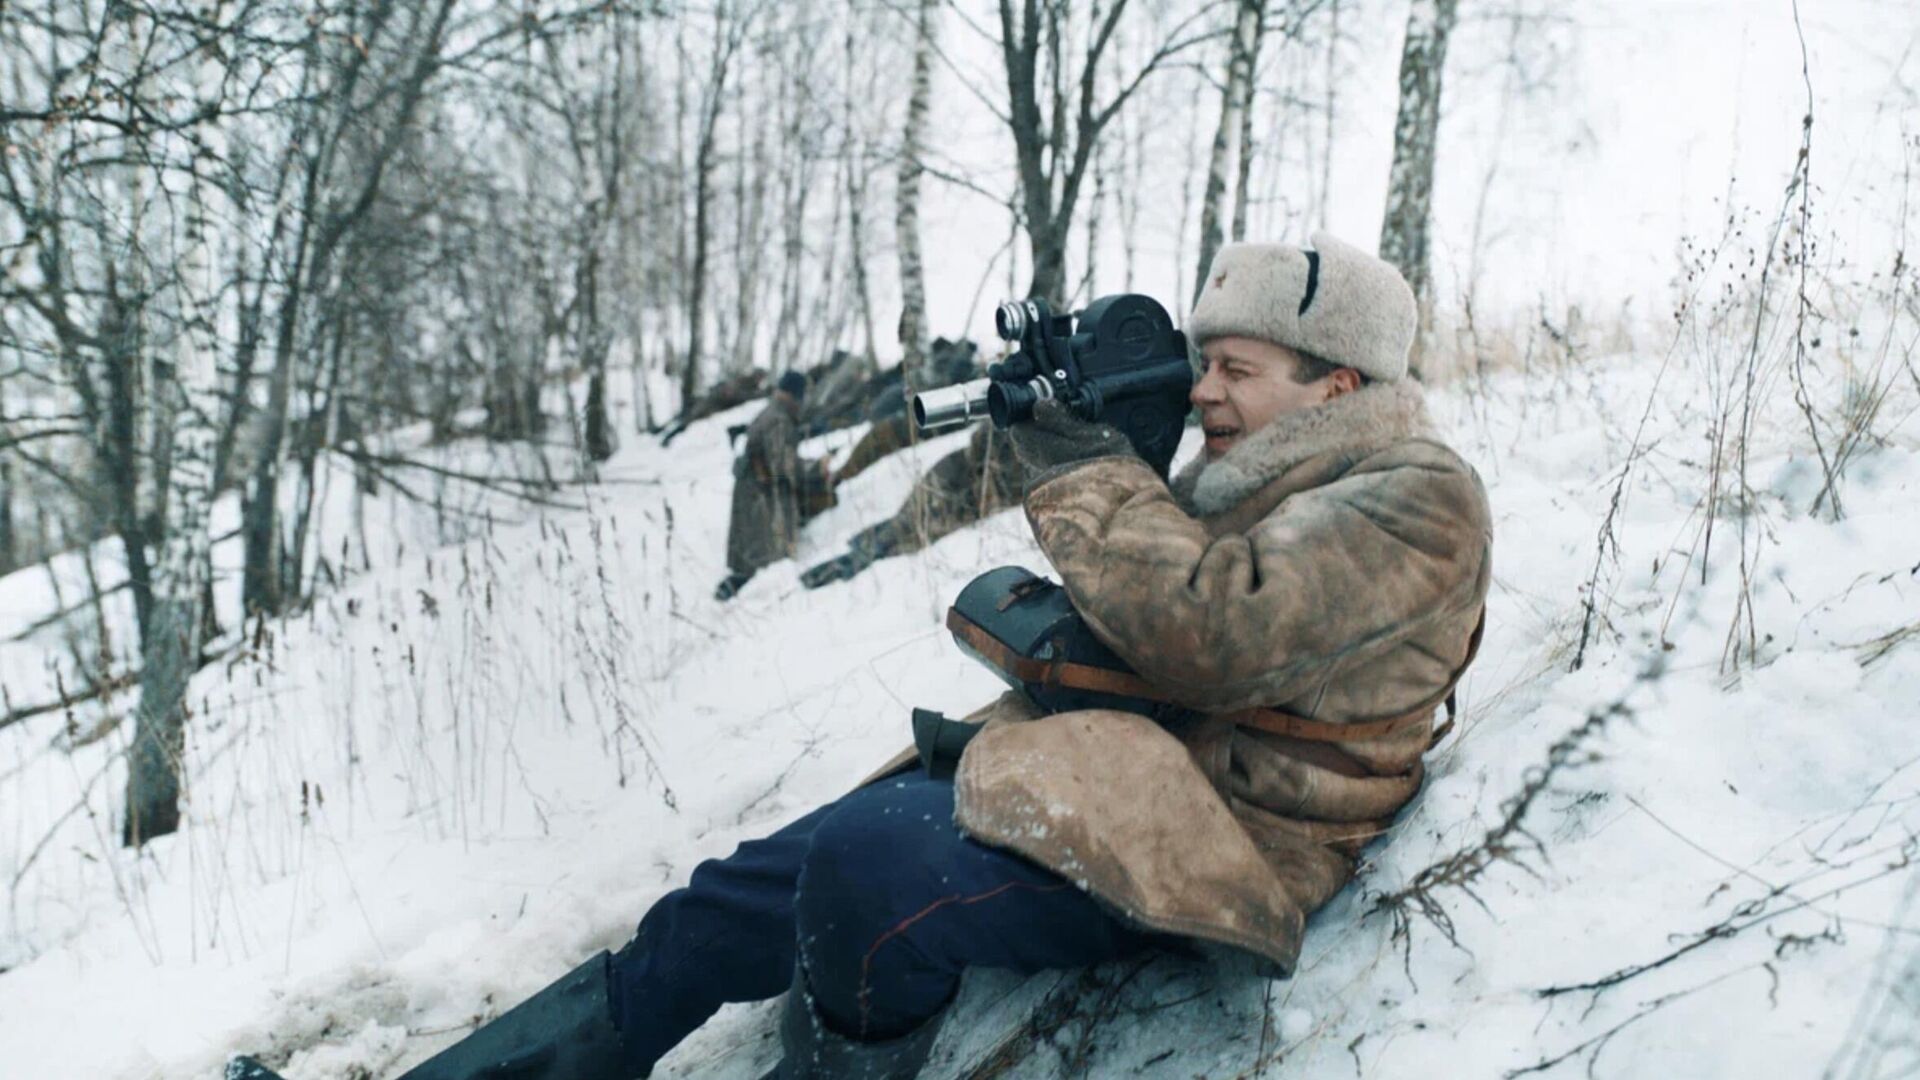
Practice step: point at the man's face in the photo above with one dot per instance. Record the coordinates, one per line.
(1247, 383)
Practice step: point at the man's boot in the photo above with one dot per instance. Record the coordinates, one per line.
(731, 585)
(564, 1032)
(811, 1051)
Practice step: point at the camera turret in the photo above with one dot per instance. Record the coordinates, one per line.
(1118, 361)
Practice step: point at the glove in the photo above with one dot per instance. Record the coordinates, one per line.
(1056, 437)
(866, 548)
(838, 568)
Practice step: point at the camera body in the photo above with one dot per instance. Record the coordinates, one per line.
(1119, 361)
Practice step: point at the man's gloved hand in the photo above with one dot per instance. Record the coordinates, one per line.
(1056, 437)
(839, 568)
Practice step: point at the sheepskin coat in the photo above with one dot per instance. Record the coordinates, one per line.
(1334, 565)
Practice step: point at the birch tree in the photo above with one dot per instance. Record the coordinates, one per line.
(906, 220)
(856, 155)
(1404, 233)
(1233, 130)
(185, 402)
(114, 276)
(9, 543)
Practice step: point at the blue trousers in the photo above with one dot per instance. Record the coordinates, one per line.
(878, 896)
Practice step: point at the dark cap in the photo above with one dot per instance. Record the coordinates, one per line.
(795, 383)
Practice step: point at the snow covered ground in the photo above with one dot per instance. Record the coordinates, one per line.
(476, 763)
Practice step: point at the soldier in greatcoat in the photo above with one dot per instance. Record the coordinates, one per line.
(775, 490)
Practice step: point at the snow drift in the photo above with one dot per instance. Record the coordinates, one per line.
(1688, 853)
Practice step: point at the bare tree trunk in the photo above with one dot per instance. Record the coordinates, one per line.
(185, 398)
(854, 152)
(9, 542)
(1243, 184)
(598, 433)
(1048, 250)
(746, 319)
(633, 232)
(678, 279)
(697, 295)
(635, 228)
(1186, 215)
(1333, 97)
(826, 315)
(796, 183)
(634, 235)
(906, 219)
(122, 346)
(1233, 103)
(727, 35)
(259, 509)
(732, 328)
(1090, 277)
(1404, 233)
(856, 250)
(246, 352)
(322, 429)
(1132, 166)
(800, 146)
(610, 122)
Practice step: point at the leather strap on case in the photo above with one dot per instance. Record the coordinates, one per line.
(1074, 676)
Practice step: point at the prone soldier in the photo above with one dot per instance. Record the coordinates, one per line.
(949, 363)
(980, 478)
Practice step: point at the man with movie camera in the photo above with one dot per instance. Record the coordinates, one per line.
(1226, 698)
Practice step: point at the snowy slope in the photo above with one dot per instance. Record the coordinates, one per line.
(469, 768)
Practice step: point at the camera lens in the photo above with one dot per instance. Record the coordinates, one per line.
(1010, 403)
(1010, 320)
(1004, 401)
(948, 406)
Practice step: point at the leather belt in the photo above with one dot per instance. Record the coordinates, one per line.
(1060, 672)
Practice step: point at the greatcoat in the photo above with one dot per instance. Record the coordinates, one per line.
(1335, 565)
(775, 491)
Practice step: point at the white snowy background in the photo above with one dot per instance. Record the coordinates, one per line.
(1691, 854)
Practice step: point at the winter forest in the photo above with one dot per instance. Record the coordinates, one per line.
(371, 379)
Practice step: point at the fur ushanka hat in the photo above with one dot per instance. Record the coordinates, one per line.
(1333, 301)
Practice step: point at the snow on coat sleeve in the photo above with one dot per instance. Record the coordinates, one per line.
(1332, 576)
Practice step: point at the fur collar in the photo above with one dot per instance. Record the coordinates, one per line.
(1369, 418)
